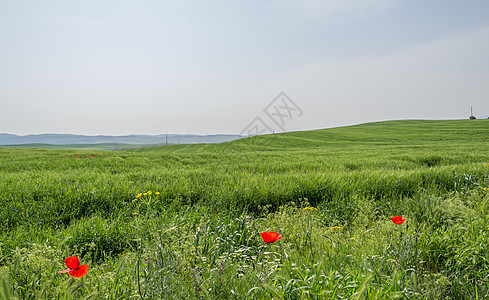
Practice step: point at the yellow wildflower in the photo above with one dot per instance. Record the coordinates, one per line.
(335, 227)
(139, 195)
(145, 194)
(157, 193)
(150, 192)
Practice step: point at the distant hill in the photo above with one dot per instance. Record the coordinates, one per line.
(71, 139)
(97, 146)
(396, 133)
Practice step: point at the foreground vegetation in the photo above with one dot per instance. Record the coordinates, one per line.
(183, 221)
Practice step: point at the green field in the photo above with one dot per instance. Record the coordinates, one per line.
(196, 235)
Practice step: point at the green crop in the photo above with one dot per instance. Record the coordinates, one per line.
(184, 221)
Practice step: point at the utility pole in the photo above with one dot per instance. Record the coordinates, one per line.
(166, 139)
(471, 114)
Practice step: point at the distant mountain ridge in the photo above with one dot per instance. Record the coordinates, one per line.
(64, 139)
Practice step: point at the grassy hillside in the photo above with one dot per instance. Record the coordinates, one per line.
(200, 233)
(406, 132)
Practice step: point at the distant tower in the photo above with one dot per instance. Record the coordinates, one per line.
(471, 114)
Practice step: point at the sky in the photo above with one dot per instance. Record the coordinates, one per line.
(120, 67)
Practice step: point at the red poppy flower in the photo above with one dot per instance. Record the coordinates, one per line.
(271, 236)
(398, 220)
(74, 268)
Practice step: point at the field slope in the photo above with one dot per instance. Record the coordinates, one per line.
(183, 221)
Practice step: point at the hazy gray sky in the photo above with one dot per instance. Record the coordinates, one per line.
(206, 67)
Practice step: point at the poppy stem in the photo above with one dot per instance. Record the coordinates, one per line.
(137, 271)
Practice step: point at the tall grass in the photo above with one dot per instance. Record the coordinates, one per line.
(199, 236)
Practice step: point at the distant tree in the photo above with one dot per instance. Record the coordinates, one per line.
(472, 118)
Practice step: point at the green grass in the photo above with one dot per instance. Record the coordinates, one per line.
(199, 238)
